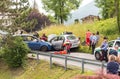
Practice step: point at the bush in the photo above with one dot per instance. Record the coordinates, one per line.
(15, 51)
(84, 49)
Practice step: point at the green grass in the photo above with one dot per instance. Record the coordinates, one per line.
(39, 71)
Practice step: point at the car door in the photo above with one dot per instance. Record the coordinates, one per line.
(57, 42)
(32, 43)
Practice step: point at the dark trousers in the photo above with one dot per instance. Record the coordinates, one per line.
(104, 55)
(68, 51)
(90, 45)
(93, 48)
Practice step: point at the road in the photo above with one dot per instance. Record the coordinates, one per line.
(72, 63)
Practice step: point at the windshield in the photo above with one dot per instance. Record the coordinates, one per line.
(71, 37)
(110, 44)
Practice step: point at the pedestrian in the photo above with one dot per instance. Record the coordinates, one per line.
(98, 37)
(93, 42)
(67, 46)
(36, 34)
(114, 51)
(112, 65)
(104, 47)
(90, 41)
(44, 37)
(88, 33)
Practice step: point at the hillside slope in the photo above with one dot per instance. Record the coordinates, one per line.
(105, 27)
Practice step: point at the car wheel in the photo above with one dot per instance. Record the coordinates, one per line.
(44, 48)
(97, 55)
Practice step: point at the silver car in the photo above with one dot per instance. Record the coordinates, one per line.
(59, 40)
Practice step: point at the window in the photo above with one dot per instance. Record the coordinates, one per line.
(118, 43)
(110, 44)
(71, 37)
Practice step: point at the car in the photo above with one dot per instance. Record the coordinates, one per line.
(111, 46)
(58, 41)
(34, 43)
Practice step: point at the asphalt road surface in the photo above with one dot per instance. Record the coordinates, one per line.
(72, 63)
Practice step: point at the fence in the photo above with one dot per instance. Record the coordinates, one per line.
(83, 61)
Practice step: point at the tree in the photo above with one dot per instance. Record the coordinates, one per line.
(117, 13)
(32, 20)
(110, 9)
(61, 8)
(107, 8)
(12, 9)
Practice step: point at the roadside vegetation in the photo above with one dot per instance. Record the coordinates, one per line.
(32, 70)
(105, 27)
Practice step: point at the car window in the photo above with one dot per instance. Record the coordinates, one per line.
(117, 43)
(71, 37)
(55, 39)
(110, 44)
(29, 38)
(61, 38)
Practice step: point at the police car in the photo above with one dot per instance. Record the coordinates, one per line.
(111, 46)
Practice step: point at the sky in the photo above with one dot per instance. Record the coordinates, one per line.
(39, 4)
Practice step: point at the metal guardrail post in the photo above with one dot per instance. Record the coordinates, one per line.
(37, 57)
(50, 61)
(102, 66)
(82, 66)
(65, 62)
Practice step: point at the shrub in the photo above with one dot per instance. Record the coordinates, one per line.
(15, 51)
(84, 49)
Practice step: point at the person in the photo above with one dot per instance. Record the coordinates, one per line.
(114, 51)
(104, 47)
(118, 61)
(36, 34)
(112, 65)
(90, 41)
(88, 33)
(67, 46)
(98, 37)
(44, 37)
(93, 42)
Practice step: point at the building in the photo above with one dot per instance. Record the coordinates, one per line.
(90, 18)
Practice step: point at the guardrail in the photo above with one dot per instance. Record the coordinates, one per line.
(83, 61)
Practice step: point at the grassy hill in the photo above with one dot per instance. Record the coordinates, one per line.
(38, 71)
(105, 27)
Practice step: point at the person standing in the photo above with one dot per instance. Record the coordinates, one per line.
(104, 47)
(88, 33)
(98, 37)
(90, 41)
(93, 42)
(67, 46)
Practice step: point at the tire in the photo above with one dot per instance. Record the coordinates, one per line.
(44, 48)
(97, 55)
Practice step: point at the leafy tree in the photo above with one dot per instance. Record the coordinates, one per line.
(61, 8)
(32, 20)
(12, 9)
(107, 8)
(117, 13)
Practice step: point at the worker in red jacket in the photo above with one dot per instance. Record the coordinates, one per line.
(67, 46)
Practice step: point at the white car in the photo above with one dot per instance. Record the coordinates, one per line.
(111, 46)
(58, 41)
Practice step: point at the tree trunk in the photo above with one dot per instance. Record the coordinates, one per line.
(117, 13)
